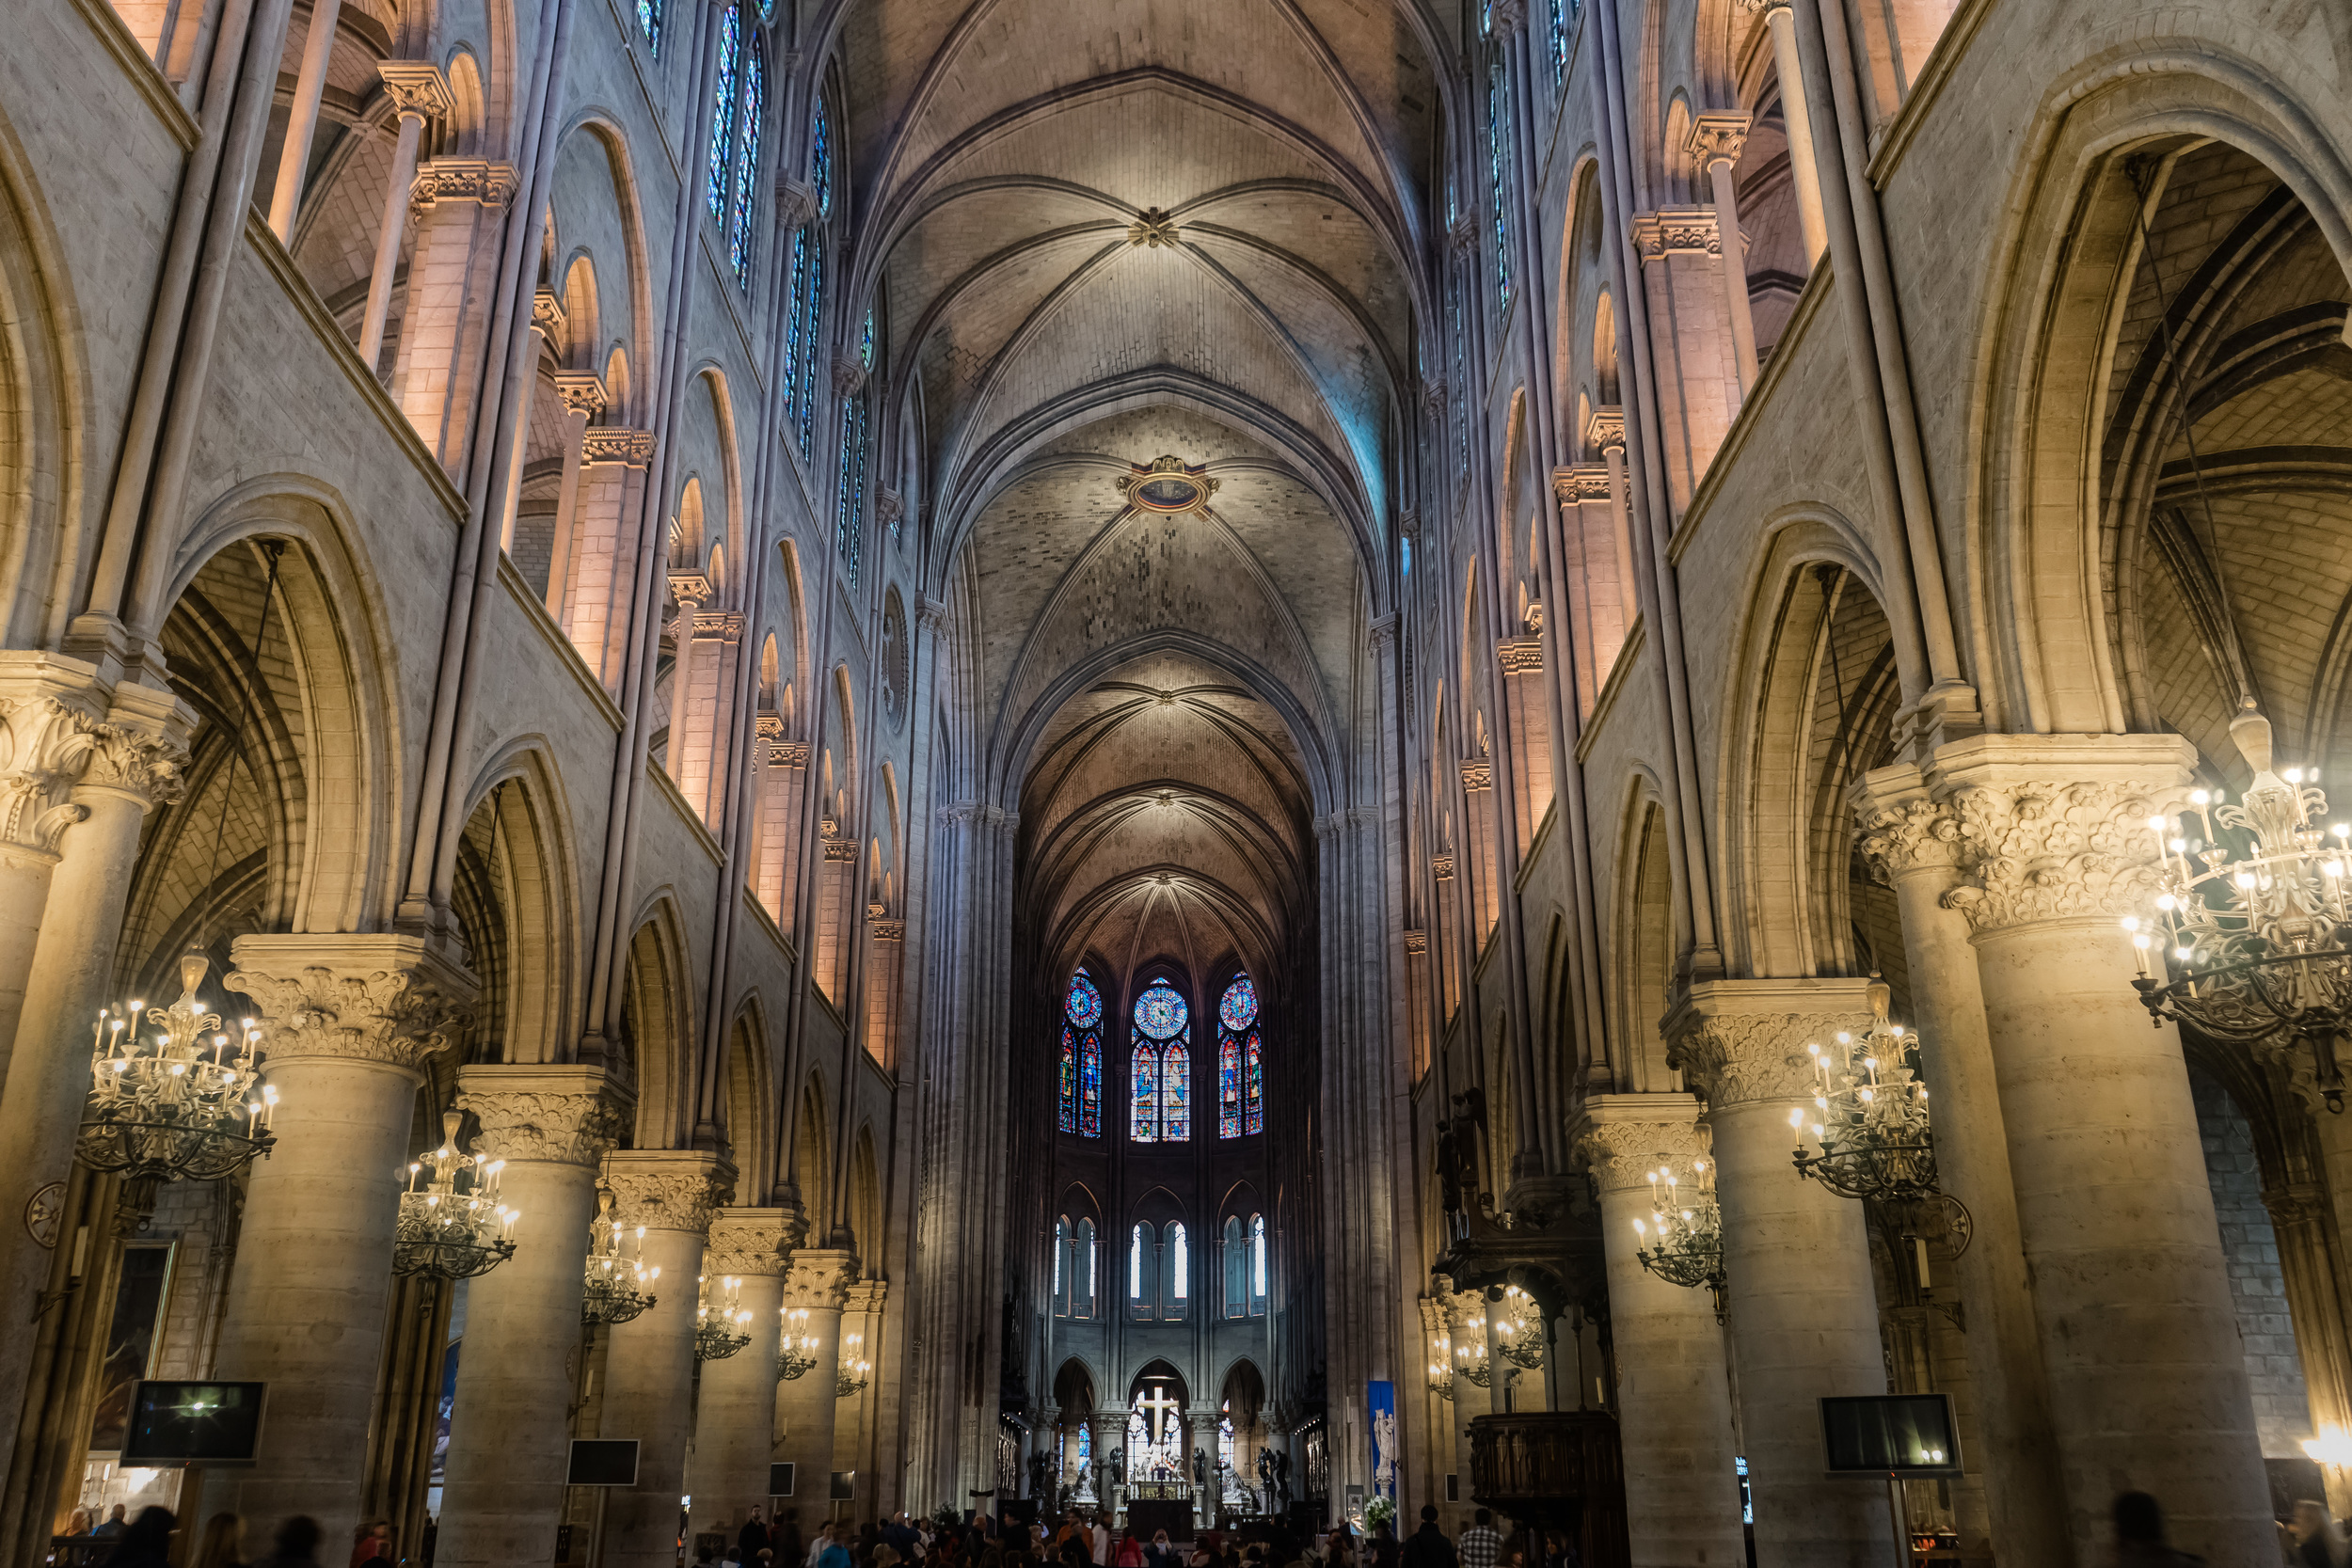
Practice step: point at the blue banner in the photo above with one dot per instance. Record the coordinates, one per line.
(1388, 1454)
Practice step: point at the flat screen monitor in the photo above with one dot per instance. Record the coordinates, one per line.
(603, 1462)
(1906, 1435)
(780, 1480)
(174, 1424)
(844, 1486)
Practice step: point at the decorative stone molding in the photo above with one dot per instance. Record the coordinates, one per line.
(45, 743)
(383, 997)
(617, 444)
(1507, 14)
(1382, 633)
(820, 1279)
(753, 1240)
(887, 930)
(669, 1189)
(889, 506)
(581, 393)
(1716, 137)
(476, 179)
(929, 613)
(840, 849)
(1606, 429)
(1620, 1138)
(417, 88)
(796, 203)
(1583, 481)
(1742, 1042)
(1478, 775)
(547, 313)
(1463, 232)
(787, 753)
(849, 376)
(1441, 866)
(1520, 655)
(690, 588)
(1416, 944)
(1675, 231)
(1433, 397)
(769, 726)
(1897, 827)
(867, 1296)
(548, 1114)
(720, 625)
(1151, 230)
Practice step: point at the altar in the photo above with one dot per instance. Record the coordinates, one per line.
(1160, 1505)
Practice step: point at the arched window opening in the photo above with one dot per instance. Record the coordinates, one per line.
(1161, 1101)
(1497, 129)
(849, 533)
(1142, 1248)
(805, 309)
(1257, 1266)
(1176, 1266)
(1240, 1070)
(649, 23)
(1082, 1058)
(740, 229)
(1236, 1261)
(715, 182)
(1063, 1274)
(1563, 18)
(1082, 1271)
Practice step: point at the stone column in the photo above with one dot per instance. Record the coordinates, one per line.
(348, 1022)
(83, 774)
(302, 118)
(734, 1426)
(1801, 1300)
(649, 1366)
(1673, 1391)
(419, 94)
(1698, 380)
(546, 330)
(817, 1283)
(1804, 172)
(2146, 1372)
(459, 205)
(1606, 434)
(1716, 140)
(583, 400)
(693, 591)
(782, 787)
(616, 463)
(508, 1448)
(1527, 708)
(1911, 844)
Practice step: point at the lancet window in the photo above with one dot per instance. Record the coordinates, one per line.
(1160, 1097)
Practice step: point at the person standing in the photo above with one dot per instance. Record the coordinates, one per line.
(298, 1545)
(223, 1544)
(2319, 1540)
(114, 1524)
(1428, 1547)
(753, 1538)
(1101, 1540)
(1481, 1544)
(834, 1554)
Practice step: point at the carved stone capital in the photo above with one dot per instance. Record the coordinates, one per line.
(820, 1279)
(692, 590)
(1717, 136)
(133, 762)
(546, 1113)
(718, 625)
(1383, 632)
(868, 1296)
(1897, 828)
(1441, 866)
(1742, 1042)
(669, 1189)
(1506, 15)
(787, 753)
(889, 506)
(1416, 944)
(581, 393)
(1622, 1137)
(1463, 232)
(378, 997)
(1606, 429)
(849, 376)
(753, 1240)
(841, 849)
(62, 728)
(887, 930)
(1582, 482)
(476, 179)
(1675, 231)
(1766, 7)
(547, 313)
(616, 444)
(796, 203)
(929, 613)
(417, 88)
(2056, 827)
(1520, 655)
(1478, 775)
(43, 744)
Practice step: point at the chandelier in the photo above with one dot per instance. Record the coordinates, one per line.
(722, 1325)
(452, 1225)
(1869, 1114)
(1441, 1367)
(1523, 1329)
(2258, 944)
(1471, 1363)
(619, 1286)
(799, 1352)
(851, 1378)
(1682, 1241)
(176, 1105)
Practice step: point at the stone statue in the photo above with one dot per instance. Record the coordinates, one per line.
(1199, 1467)
(1039, 1466)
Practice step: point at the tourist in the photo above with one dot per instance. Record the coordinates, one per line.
(1160, 1553)
(751, 1537)
(146, 1542)
(835, 1552)
(2318, 1540)
(1429, 1548)
(1384, 1550)
(78, 1522)
(222, 1545)
(1340, 1551)
(1130, 1550)
(2139, 1534)
(296, 1547)
(114, 1524)
(1481, 1544)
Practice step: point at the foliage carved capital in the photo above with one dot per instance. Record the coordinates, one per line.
(1742, 1042)
(669, 1189)
(550, 1115)
(385, 998)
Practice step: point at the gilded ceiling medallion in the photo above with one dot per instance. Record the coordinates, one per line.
(1168, 484)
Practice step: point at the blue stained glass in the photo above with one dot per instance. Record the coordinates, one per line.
(767, 10)
(1229, 1089)
(746, 168)
(1563, 14)
(1069, 1081)
(1175, 1096)
(865, 341)
(1160, 1012)
(649, 22)
(812, 309)
(820, 163)
(1091, 1086)
(1496, 130)
(722, 113)
(849, 518)
(1238, 1007)
(1085, 1445)
(1144, 1100)
(1085, 1004)
(1255, 1094)
(793, 323)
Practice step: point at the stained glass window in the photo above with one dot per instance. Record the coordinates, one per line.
(1061, 1245)
(820, 163)
(865, 341)
(1145, 1102)
(1175, 1095)
(1160, 1011)
(1253, 1092)
(1257, 1265)
(767, 10)
(649, 22)
(812, 314)
(1236, 1018)
(1086, 1446)
(722, 113)
(747, 167)
(1497, 129)
(850, 515)
(1563, 17)
(1082, 1059)
(797, 271)
(1179, 1265)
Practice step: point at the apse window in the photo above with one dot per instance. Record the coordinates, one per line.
(1160, 1075)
